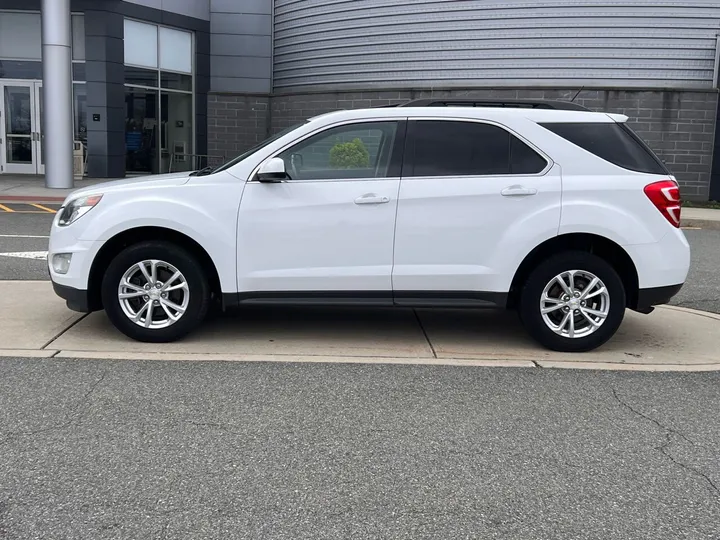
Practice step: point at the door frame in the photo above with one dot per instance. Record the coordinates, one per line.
(38, 155)
(35, 167)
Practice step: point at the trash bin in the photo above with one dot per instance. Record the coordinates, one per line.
(78, 160)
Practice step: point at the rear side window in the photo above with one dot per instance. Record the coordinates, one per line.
(612, 142)
(455, 148)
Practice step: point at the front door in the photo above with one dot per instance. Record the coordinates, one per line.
(328, 229)
(20, 140)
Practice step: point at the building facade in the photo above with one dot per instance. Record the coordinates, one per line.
(165, 85)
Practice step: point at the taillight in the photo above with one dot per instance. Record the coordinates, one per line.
(665, 195)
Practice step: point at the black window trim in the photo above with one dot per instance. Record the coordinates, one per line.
(396, 156)
(409, 152)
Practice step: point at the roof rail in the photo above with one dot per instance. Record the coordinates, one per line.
(509, 103)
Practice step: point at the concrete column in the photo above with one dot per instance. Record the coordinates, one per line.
(57, 93)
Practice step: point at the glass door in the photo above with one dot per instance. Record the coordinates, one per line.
(39, 155)
(18, 136)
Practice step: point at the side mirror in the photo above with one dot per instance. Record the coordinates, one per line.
(272, 171)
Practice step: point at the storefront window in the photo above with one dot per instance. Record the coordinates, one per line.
(177, 122)
(21, 69)
(80, 112)
(141, 130)
(159, 123)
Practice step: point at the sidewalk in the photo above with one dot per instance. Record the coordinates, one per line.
(703, 218)
(24, 188)
(36, 323)
(27, 188)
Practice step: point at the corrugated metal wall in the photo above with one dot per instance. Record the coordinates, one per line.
(452, 43)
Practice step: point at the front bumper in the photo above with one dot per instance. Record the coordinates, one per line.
(76, 299)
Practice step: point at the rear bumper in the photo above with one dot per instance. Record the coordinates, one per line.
(654, 296)
(76, 299)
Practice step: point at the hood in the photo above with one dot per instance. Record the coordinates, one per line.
(140, 182)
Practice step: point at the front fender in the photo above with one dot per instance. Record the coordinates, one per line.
(212, 226)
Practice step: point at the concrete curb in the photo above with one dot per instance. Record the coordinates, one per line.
(708, 314)
(700, 224)
(299, 359)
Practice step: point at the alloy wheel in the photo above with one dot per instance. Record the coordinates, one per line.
(575, 303)
(153, 294)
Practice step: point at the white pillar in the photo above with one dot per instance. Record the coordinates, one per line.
(57, 93)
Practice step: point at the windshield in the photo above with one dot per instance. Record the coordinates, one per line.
(257, 147)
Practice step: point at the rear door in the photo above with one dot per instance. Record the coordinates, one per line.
(474, 200)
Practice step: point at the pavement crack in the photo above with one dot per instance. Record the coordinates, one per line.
(72, 418)
(64, 330)
(650, 419)
(427, 338)
(663, 448)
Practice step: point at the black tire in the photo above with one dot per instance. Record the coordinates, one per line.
(531, 293)
(197, 283)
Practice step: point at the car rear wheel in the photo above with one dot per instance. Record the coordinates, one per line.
(573, 302)
(155, 292)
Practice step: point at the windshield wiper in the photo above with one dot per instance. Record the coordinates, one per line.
(203, 172)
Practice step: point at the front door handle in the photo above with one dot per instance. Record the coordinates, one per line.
(518, 191)
(371, 198)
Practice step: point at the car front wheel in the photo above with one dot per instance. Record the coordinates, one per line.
(155, 291)
(573, 302)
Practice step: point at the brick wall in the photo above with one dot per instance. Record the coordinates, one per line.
(235, 123)
(678, 125)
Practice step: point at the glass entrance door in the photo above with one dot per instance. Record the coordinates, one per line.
(39, 133)
(20, 145)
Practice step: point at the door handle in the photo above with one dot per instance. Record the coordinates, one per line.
(371, 198)
(518, 191)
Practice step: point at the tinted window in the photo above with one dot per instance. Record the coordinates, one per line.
(612, 142)
(449, 148)
(349, 151)
(523, 159)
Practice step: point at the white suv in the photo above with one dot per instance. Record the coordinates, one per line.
(543, 207)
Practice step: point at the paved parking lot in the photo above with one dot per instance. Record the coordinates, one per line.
(201, 450)
(29, 208)
(304, 430)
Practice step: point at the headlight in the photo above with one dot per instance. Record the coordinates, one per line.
(77, 208)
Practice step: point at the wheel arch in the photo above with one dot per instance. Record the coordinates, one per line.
(143, 234)
(601, 246)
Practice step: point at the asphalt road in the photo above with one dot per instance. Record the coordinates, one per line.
(164, 450)
(99, 449)
(701, 291)
(20, 232)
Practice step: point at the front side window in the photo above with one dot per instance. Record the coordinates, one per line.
(345, 152)
(456, 148)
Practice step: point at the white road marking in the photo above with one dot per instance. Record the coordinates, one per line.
(21, 236)
(38, 255)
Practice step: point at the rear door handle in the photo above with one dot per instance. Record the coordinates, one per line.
(518, 191)
(371, 198)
